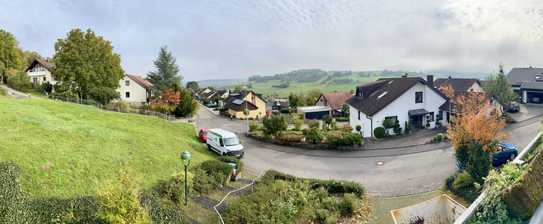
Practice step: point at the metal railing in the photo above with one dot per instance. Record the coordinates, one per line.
(231, 192)
(470, 211)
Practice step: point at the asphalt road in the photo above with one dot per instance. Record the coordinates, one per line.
(386, 173)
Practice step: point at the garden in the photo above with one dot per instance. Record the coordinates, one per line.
(289, 130)
(281, 198)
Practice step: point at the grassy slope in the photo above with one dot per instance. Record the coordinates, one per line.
(304, 87)
(66, 149)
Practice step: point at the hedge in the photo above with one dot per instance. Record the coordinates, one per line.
(290, 136)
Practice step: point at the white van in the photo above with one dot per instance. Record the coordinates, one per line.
(224, 142)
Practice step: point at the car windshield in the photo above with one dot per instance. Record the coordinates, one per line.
(231, 141)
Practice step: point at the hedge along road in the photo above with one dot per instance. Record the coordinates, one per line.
(386, 173)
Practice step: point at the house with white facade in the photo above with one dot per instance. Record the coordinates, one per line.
(40, 71)
(134, 89)
(408, 100)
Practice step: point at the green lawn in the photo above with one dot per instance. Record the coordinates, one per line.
(67, 149)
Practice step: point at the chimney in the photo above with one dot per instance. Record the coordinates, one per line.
(430, 80)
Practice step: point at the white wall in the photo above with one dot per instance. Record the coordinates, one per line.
(138, 94)
(364, 121)
(39, 72)
(476, 88)
(400, 108)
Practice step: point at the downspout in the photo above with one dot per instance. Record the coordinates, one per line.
(371, 125)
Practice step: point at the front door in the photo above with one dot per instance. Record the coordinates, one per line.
(416, 121)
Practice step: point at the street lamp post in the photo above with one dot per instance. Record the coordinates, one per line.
(185, 156)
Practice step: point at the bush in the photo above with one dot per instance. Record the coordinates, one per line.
(349, 204)
(187, 105)
(314, 135)
(253, 126)
(274, 124)
(298, 123)
(407, 126)
(214, 166)
(397, 128)
(338, 187)
(161, 211)
(171, 189)
(45, 88)
(438, 138)
(462, 157)
(204, 183)
(290, 136)
(464, 185)
(232, 159)
(313, 124)
(339, 138)
(103, 95)
(119, 201)
(20, 81)
(379, 132)
(321, 215)
(120, 106)
(342, 119)
(479, 162)
(389, 123)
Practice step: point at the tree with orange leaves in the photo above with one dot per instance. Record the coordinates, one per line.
(475, 122)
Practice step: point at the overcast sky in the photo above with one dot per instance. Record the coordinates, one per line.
(239, 38)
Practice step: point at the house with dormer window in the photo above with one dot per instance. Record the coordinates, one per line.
(406, 100)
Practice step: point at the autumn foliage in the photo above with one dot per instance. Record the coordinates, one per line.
(166, 103)
(475, 121)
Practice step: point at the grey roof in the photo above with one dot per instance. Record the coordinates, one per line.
(373, 97)
(520, 75)
(458, 85)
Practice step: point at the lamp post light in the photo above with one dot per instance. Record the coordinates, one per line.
(185, 156)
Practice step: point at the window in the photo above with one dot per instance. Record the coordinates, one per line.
(418, 97)
(44, 78)
(127, 94)
(127, 83)
(358, 115)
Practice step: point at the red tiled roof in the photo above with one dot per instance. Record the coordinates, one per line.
(141, 81)
(336, 100)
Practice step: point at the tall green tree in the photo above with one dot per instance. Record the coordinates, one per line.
(167, 72)
(499, 87)
(10, 55)
(193, 85)
(87, 60)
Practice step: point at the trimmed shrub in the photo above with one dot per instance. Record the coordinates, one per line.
(389, 123)
(339, 187)
(339, 138)
(379, 132)
(464, 186)
(342, 119)
(204, 183)
(214, 166)
(290, 136)
(438, 138)
(314, 135)
(407, 126)
(210, 175)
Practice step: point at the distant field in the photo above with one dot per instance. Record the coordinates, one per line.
(326, 84)
(67, 149)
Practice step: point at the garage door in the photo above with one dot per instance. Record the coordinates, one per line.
(316, 115)
(535, 97)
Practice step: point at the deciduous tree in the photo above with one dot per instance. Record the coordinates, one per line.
(10, 55)
(87, 60)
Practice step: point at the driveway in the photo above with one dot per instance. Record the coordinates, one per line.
(391, 172)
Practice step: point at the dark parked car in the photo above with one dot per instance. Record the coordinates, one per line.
(506, 152)
(513, 107)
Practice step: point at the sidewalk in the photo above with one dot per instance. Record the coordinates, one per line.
(419, 137)
(14, 93)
